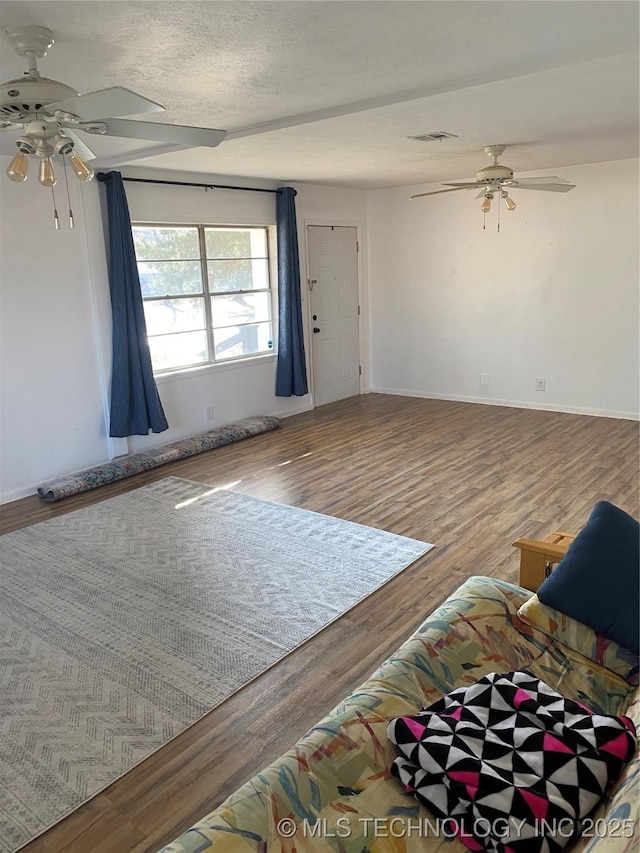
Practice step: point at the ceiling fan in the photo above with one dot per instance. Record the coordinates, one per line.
(497, 179)
(50, 113)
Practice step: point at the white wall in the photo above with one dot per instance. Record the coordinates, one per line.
(56, 335)
(553, 296)
(51, 397)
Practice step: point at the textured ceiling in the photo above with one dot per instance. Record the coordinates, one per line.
(328, 92)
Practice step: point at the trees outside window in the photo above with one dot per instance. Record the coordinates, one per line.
(207, 293)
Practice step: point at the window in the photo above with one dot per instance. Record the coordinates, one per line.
(206, 293)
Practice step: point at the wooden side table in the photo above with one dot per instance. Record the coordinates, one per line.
(538, 556)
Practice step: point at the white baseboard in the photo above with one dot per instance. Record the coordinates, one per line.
(16, 494)
(305, 407)
(512, 404)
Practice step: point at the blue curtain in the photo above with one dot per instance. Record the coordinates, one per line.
(135, 404)
(291, 372)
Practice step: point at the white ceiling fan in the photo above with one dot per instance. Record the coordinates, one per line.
(498, 180)
(49, 114)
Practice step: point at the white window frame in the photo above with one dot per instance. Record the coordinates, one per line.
(207, 294)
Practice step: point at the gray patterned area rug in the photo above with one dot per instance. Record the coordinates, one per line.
(124, 622)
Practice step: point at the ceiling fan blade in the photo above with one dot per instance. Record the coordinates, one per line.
(546, 179)
(553, 188)
(78, 145)
(451, 190)
(463, 184)
(116, 101)
(193, 137)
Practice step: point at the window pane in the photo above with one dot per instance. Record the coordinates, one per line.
(169, 278)
(235, 341)
(240, 308)
(169, 244)
(182, 350)
(236, 243)
(238, 275)
(174, 315)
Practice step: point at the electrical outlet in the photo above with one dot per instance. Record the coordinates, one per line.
(208, 412)
(484, 378)
(540, 385)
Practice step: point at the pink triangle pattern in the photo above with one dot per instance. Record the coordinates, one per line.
(520, 697)
(538, 805)
(618, 746)
(553, 744)
(467, 777)
(415, 727)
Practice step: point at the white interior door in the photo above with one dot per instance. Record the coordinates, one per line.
(333, 297)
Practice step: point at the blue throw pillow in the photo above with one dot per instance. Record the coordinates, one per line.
(598, 580)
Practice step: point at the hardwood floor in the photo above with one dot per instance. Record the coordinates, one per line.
(469, 478)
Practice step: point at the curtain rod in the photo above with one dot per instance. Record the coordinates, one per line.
(205, 186)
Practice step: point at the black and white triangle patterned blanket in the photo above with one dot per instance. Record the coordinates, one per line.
(513, 764)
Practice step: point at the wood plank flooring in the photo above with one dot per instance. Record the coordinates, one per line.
(469, 478)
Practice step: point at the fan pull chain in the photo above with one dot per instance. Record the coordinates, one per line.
(56, 218)
(66, 183)
(499, 206)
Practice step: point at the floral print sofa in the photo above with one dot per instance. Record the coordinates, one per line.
(334, 793)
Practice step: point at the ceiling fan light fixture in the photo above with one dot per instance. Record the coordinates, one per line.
(63, 146)
(81, 169)
(510, 203)
(493, 181)
(18, 167)
(25, 145)
(46, 173)
(45, 108)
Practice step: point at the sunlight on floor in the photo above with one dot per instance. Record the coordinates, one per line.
(234, 483)
(206, 494)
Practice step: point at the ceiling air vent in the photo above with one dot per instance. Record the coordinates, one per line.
(436, 136)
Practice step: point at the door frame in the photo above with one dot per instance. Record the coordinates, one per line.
(337, 223)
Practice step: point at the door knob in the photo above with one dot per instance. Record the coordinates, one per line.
(315, 330)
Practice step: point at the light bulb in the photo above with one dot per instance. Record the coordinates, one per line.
(81, 169)
(485, 207)
(511, 205)
(18, 167)
(46, 175)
